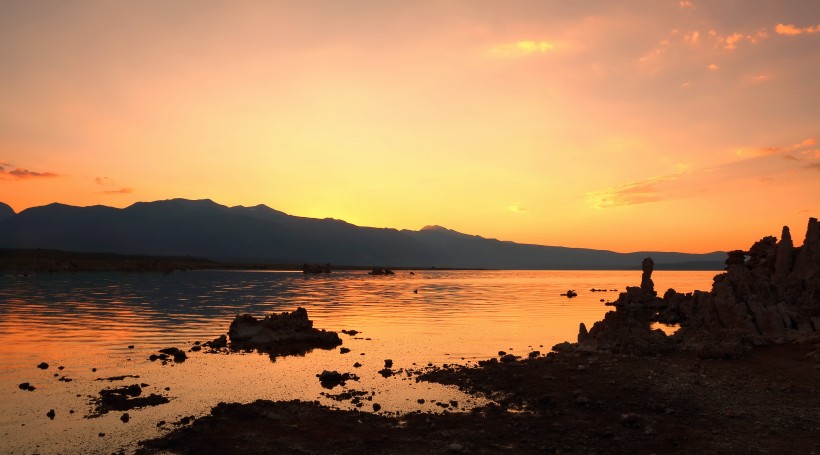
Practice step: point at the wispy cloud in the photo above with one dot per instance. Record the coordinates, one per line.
(109, 182)
(19, 173)
(634, 193)
(791, 29)
(119, 191)
(522, 48)
(763, 164)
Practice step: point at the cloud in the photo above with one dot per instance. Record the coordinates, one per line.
(21, 174)
(802, 148)
(692, 37)
(712, 67)
(522, 48)
(768, 165)
(517, 209)
(119, 191)
(634, 193)
(791, 30)
(685, 4)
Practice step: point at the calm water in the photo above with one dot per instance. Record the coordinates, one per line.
(86, 321)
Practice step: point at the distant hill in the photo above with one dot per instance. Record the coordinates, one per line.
(205, 229)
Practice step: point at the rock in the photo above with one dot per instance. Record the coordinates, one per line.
(330, 379)
(350, 332)
(344, 350)
(455, 447)
(42, 366)
(377, 407)
(647, 286)
(126, 398)
(357, 365)
(130, 346)
(534, 354)
(125, 417)
(51, 414)
(178, 355)
(388, 363)
(381, 271)
(26, 386)
(218, 342)
(280, 334)
(769, 294)
(508, 358)
(386, 372)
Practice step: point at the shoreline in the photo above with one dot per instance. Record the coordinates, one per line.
(570, 402)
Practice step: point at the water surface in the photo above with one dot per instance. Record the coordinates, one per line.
(85, 321)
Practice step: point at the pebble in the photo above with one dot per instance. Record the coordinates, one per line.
(50, 414)
(42, 366)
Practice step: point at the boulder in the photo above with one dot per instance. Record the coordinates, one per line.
(280, 334)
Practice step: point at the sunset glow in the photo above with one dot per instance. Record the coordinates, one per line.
(635, 125)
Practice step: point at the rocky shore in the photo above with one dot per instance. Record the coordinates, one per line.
(740, 375)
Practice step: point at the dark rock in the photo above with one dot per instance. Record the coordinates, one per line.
(508, 358)
(178, 354)
(330, 379)
(381, 271)
(280, 334)
(125, 417)
(218, 342)
(344, 350)
(42, 366)
(769, 294)
(386, 372)
(377, 407)
(126, 398)
(357, 365)
(51, 414)
(351, 332)
(26, 386)
(388, 363)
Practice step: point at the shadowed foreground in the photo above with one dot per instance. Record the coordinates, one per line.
(574, 402)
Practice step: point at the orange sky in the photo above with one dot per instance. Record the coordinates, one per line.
(631, 125)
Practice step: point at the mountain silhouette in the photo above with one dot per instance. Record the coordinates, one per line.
(205, 229)
(5, 211)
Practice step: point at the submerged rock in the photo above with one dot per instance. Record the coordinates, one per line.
(125, 398)
(280, 334)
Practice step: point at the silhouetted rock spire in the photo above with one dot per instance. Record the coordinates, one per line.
(768, 294)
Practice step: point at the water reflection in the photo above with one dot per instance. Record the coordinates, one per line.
(86, 321)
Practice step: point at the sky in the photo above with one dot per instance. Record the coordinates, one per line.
(632, 125)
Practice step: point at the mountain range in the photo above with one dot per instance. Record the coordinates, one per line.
(260, 234)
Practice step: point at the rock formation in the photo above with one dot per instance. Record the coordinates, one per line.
(280, 334)
(768, 295)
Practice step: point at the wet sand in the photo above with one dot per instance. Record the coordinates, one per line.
(570, 402)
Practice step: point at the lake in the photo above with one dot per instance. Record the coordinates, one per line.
(88, 321)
